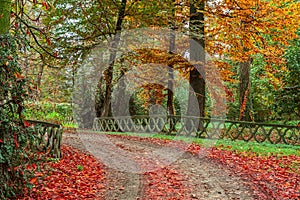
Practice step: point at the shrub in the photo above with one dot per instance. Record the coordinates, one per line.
(60, 113)
(15, 138)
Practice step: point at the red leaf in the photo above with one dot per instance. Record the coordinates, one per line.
(16, 25)
(48, 41)
(56, 54)
(64, 182)
(46, 5)
(32, 181)
(16, 140)
(26, 123)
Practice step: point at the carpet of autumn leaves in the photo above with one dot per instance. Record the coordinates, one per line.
(75, 176)
(269, 177)
(164, 183)
(277, 177)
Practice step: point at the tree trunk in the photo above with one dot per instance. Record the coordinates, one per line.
(39, 77)
(40, 73)
(170, 100)
(244, 91)
(113, 52)
(99, 98)
(5, 9)
(120, 97)
(197, 75)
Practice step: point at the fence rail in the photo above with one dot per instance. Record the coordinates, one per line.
(50, 136)
(212, 128)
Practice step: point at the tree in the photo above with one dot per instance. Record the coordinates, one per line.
(197, 56)
(288, 95)
(231, 30)
(242, 29)
(170, 92)
(108, 74)
(244, 91)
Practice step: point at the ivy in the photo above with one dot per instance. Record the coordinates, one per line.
(16, 140)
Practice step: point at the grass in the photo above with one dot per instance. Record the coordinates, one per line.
(70, 125)
(260, 149)
(291, 122)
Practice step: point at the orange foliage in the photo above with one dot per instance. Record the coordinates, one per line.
(150, 67)
(241, 28)
(234, 29)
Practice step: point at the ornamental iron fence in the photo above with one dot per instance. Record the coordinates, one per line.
(211, 128)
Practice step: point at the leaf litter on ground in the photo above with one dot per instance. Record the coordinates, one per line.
(81, 176)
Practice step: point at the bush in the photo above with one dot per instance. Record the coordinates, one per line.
(60, 113)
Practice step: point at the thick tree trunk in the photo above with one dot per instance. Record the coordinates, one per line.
(5, 9)
(244, 91)
(119, 108)
(170, 100)
(170, 104)
(109, 71)
(99, 98)
(197, 75)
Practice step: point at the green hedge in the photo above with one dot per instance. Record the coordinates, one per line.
(60, 113)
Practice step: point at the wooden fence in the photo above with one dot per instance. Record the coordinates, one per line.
(50, 136)
(202, 128)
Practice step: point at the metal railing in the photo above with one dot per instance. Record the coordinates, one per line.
(212, 128)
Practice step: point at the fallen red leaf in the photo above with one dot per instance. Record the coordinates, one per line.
(65, 181)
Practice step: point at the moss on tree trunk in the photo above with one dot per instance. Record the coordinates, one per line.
(5, 8)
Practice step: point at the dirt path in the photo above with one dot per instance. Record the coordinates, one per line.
(202, 178)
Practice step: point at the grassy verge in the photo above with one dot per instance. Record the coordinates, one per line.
(69, 125)
(260, 149)
(291, 123)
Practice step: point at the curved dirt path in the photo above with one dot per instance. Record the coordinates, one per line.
(201, 178)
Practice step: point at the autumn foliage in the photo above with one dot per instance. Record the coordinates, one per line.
(78, 175)
(75, 176)
(242, 29)
(235, 31)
